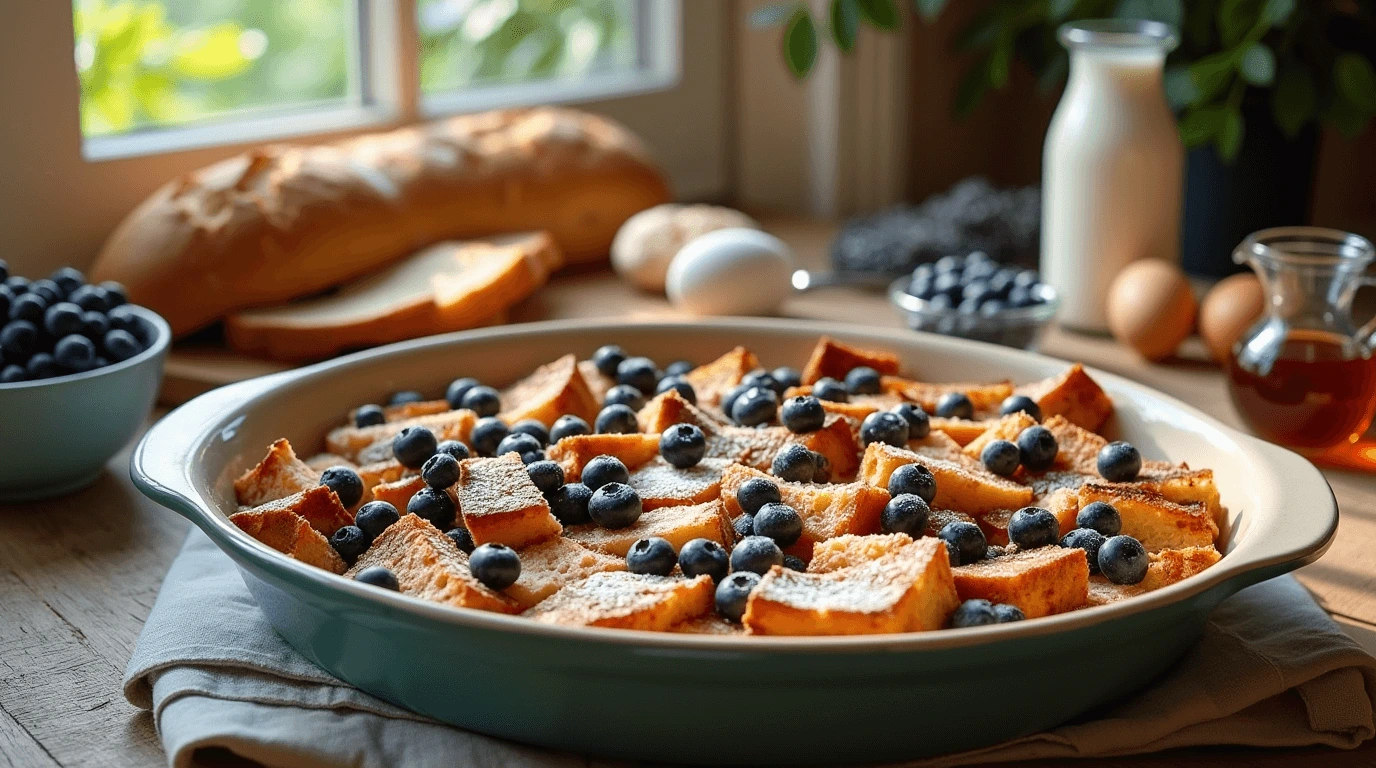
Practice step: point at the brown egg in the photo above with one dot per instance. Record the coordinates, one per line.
(1151, 307)
(1229, 309)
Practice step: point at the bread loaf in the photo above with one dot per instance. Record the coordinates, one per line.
(450, 286)
(287, 221)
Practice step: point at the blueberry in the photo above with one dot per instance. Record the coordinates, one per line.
(755, 493)
(18, 340)
(518, 443)
(1001, 282)
(974, 613)
(403, 397)
(1006, 612)
(1100, 516)
(533, 427)
(1032, 527)
(679, 385)
(601, 470)
(955, 405)
(375, 517)
(115, 293)
(794, 563)
(453, 448)
(948, 264)
(62, 319)
(729, 399)
(68, 279)
(779, 522)
(412, 446)
(123, 318)
(884, 427)
(482, 400)
(434, 505)
(762, 379)
(49, 290)
(919, 424)
(756, 554)
(547, 475)
(915, 479)
(651, 556)
(940, 302)
(638, 372)
(41, 366)
(1026, 278)
(1037, 448)
(744, 525)
(570, 503)
(976, 291)
(823, 473)
(1123, 560)
(616, 419)
(462, 538)
(486, 435)
(733, 593)
(75, 353)
(830, 389)
(701, 556)
(94, 325)
(1020, 297)
(757, 405)
(369, 415)
(968, 540)
(457, 389)
(615, 505)
(794, 463)
(787, 377)
(607, 358)
(1119, 462)
(802, 414)
(497, 566)
(1000, 457)
(11, 374)
(378, 576)
(6, 299)
(120, 345)
(968, 306)
(440, 471)
(678, 368)
(350, 542)
(4, 270)
(345, 483)
(568, 425)
(17, 285)
(905, 513)
(30, 306)
(1023, 403)
(683, 445)
(1089, 540)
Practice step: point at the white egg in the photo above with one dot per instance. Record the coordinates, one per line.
(733, 271)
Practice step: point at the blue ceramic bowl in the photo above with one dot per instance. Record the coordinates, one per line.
(57, 434)
(710, 699)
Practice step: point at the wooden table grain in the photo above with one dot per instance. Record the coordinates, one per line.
(78, 575)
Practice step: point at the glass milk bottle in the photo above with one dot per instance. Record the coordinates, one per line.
(1112, 168)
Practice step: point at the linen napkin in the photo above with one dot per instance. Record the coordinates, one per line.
(1272, 670)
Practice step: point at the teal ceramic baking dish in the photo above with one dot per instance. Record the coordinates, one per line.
(710, 699)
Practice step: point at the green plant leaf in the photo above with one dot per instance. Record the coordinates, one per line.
(845, 21)
(800, 43)
(1000, 62)
(1236, 18)
(1057, 10)
(1200, 125)
(211, 54)
(971, 89)
(1277, 12)
(1229, 139)
(1294, 102)
(882, 14)
(1212, 74)
(1170, 12)
(930, 9)
(772, 15)
(1258, 65)
(1356, 80)
(1180, 89)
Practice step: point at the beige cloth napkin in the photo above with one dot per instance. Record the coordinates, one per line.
(1271, 670)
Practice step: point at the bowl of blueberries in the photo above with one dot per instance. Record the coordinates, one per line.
(80, 369)
(975, 297)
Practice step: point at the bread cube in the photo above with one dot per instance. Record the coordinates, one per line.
(713, 380)
(660, 484)
(290, 534)
(318, 506)
(669, 408)
(549, 392)
(832, 358)
(1153, 520)
(966, 486)
(1004, 428)
(574, 452)
(548, 566)
(984, 396)
(627, 600)
(1074, 395)
(710, 624)
(364, 445)
(963, 431)
(1167, 567)
(278, 475)
(597, 383)
(677, 525)
(1041, 581)
(323, 461)
(830, 509)
(850, 549)
(499, 503)
(428, 565)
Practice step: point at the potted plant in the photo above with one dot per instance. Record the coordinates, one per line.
(1251, 82)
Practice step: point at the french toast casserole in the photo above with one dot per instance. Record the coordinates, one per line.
(842, 498)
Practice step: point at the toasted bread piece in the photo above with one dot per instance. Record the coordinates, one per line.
(376, 474)
(1074, 395)
(713, 380)
(832, 358)
(677, 525)
(908, 590)
(278, 475)
(397, 492)
(939, 445)
(551, 391)
(1153, 520)
(1040, 581)
(323, 461)
(449, 286)
(1167, 567)
(548, 566)
(963, 431)
(964, 486)
(350, 441)
(828, 510)
(1183, 485)
(984, 396)
(597, 383)
(1004, 428)
(839, 443)
(857, 407)
(940, 518)
(428, 565)
(660, 484)
(319, 506)
(574, 452)
(408, 410)
(1077, 449)
(627, 601)
(850, 549)
(669, 408)
(710, 624)
(290, 534)
(500, 504)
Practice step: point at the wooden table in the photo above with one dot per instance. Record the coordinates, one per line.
(78, 575)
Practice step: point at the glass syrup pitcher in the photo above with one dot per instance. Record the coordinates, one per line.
(1304, 376)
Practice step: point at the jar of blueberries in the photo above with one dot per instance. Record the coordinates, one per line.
(974, 297)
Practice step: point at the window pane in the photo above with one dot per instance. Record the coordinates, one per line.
(158, 63)
(467, 43)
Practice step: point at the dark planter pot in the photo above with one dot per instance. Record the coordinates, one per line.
(1268, 185)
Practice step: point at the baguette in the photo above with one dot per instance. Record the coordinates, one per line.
(446, 287)
(284, 221)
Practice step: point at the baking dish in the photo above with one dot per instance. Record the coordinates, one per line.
(711, 699)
